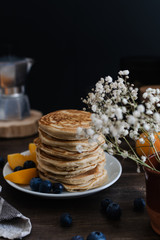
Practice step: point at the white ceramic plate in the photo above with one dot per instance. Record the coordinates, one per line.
(113, 168)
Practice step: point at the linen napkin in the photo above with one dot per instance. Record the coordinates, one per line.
(13, 224)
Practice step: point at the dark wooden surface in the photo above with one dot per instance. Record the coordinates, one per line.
(87, 216)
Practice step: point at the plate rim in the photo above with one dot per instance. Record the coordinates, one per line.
(68, 194)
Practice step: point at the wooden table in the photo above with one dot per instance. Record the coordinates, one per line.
(87, 216)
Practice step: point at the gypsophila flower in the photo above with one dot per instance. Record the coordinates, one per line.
(152, 138)
(136, 114)
(146, 127)
(117, 115)
(156, 117)
(79, 148)
(125, 72)
(138, 169)
(143, 158)
(124, 154)
(131, 120)
(90, 132)
(108, 79)
(149, 112)
(141, 108)
(94, 108)
(142, 140)
(80, 131)
(124, 100)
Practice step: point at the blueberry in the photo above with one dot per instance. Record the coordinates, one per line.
(104, 203)
(29, 164)
(77, 237)
(34, 183)
(2, 161)
(96, 236)
(139, 204)
(66, 220)
(45, 186)
(57, 188)
(18, 168)
(113, 211)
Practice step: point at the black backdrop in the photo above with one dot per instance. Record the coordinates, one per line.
(75, 42)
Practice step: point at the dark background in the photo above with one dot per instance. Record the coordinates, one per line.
(75, 42)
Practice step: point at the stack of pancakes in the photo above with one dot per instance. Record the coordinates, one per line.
(57, 155)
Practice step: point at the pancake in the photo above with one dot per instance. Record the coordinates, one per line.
(59, 163)
(70, 145)
(78, 179)
(63, 124)
(96, 181)
(93, 183)
(62, 153)
(69, 172)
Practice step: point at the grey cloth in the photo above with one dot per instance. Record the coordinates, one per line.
(12, 223)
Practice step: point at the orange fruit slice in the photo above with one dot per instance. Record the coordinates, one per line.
(22, 176)
(145, 149)
(17, 159)
(32, 147)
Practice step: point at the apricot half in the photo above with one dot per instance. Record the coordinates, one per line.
(17, 159)
(32, 147)
(22, 176)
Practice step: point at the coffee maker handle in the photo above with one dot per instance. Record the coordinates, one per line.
(29, 64)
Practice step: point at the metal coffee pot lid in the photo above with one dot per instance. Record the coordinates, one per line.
(13, 73)
(14, 104)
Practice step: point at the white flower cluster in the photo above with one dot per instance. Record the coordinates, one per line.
(117, 114)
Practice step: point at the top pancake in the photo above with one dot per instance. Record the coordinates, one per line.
(63, 124)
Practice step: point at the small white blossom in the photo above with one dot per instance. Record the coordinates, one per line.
(131, 120)
(99, 87)
(149, 112)
(95, 137)
(136, 114)
(156, 117)
(118, 113)
(146, 127)
(145, 95)
(120, 73)
(158, 91)
(110, 151)
(138, 169)
(79, 148)
(152, 137)
(125, 132)
(104, 118)
(142, 140)
(104, 146)
(125, 73)
(124, 100)
(90, 132)
(108, 79)
(148, 105)
(143, 158)
(94, 108)
(80, 131)
(124, 154)
(140, 108)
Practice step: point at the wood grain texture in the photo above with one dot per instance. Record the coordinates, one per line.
(86, 212)
(20, 128)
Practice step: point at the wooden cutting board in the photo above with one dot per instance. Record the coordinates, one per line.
(20, 128)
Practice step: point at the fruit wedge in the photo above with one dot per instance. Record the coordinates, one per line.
(32, 147)
(22, 176)
(17, 159)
